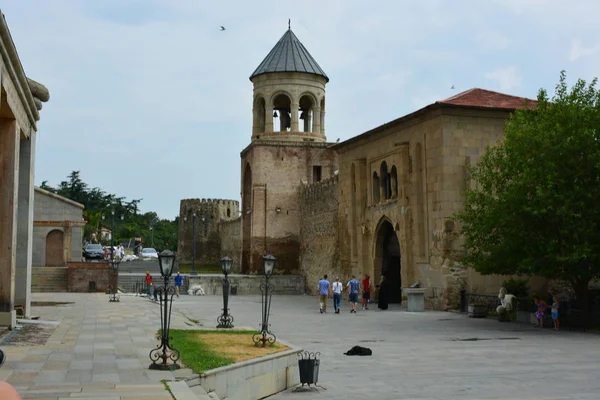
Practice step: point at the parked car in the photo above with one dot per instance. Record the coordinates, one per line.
(149, 252)
(93, 252)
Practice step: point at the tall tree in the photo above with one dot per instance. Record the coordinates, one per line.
(532, 206)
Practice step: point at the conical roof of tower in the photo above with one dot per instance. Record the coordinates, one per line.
(289, 55)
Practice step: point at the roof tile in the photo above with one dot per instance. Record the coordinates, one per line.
(488, 99)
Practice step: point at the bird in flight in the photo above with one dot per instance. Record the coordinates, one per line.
(222, 28)
(452, 87)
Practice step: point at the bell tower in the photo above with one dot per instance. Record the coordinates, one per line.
(288, 149)
(289, 94)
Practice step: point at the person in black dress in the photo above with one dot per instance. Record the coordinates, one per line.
(383, 294)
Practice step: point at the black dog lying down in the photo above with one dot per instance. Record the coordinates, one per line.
(359, 351)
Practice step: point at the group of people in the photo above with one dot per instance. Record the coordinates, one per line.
(542, 308)
(328, 290)
(151, 291)
(119, 252)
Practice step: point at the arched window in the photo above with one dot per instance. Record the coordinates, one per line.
(228, 213)
(385, 182)
(305, 114)
(282, 119)
(394, 182)
(375, 188)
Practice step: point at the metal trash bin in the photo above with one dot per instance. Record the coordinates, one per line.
(234, 289)
(308, 365)
(92, 286)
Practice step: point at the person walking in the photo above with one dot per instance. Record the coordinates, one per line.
(178, 281)
(366, 287)
(323, 294)
(354, 287)
(150, 286)
(337, 288)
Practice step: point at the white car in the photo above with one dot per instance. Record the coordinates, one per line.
(149, 252)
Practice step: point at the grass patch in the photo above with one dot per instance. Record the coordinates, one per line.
(201, 269)
(203, 350)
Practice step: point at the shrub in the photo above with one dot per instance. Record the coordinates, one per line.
(517, 287)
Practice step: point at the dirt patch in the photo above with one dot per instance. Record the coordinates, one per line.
(50, 303)
(238, 347)
(28, 335)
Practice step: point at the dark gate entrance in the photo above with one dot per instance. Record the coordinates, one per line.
(389, 248)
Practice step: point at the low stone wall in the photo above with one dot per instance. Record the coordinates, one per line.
(253, 379)
(250, 284)
(80, 274)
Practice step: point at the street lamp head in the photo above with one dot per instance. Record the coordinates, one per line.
(194, 214)
(122, 217)
(269, 264)
(112, 212)
(103, 217)
(185, 218)
(166, 262)
(226, 265)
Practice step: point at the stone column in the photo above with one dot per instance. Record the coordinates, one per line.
(322, 122)
(25, 223)
(9, 178)
(269, 118)
(316, 128)
(67, 243)
(294, 112)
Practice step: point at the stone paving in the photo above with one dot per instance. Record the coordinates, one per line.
(100, 351)
(422, 355)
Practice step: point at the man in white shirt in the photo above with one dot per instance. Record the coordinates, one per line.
(337, 288)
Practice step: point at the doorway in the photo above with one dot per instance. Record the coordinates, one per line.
(388, 260)
(55, 249)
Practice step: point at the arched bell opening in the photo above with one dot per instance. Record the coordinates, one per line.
(306, 114)
(282, 117)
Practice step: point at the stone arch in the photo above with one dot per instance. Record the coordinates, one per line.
(376, 190)
(306, 105)
(55, 249)
(388, 259)
(246, 218)
(260, 113)
(394, 181)
(282, 107)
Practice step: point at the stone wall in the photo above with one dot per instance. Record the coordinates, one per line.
(231, 242)
(209, 214)
(80, 274)
(272, 173)
(319, 250)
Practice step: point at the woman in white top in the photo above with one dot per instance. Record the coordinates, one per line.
(337, 288)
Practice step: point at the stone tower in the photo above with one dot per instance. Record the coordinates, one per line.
(209, 213)
(288, 148)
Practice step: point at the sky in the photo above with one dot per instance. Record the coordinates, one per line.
(151, 100)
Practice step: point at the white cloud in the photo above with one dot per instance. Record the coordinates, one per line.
(578, 51)
(507, 78)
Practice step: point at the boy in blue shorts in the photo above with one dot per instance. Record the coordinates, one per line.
(354, 286)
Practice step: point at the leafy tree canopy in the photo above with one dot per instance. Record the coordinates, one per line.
(155, 232)
(532, 206)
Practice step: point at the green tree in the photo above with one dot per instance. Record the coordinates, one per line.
(532, 205)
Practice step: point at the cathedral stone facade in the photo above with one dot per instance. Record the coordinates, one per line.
(379, 203)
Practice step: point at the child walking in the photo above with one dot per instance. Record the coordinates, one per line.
(555, 307)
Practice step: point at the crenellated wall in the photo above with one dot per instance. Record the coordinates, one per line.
(210, 213)
(319, 249)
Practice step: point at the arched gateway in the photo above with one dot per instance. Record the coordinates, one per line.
(387, 260)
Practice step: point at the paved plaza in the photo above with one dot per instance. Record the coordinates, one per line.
(100, 351)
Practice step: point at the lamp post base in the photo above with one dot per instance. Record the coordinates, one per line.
(225, 321)
(163, 367)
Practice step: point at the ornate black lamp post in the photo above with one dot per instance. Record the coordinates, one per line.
(112, 232)
(225, 320)
(164, 351)
(114, 297)
(265, 336)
